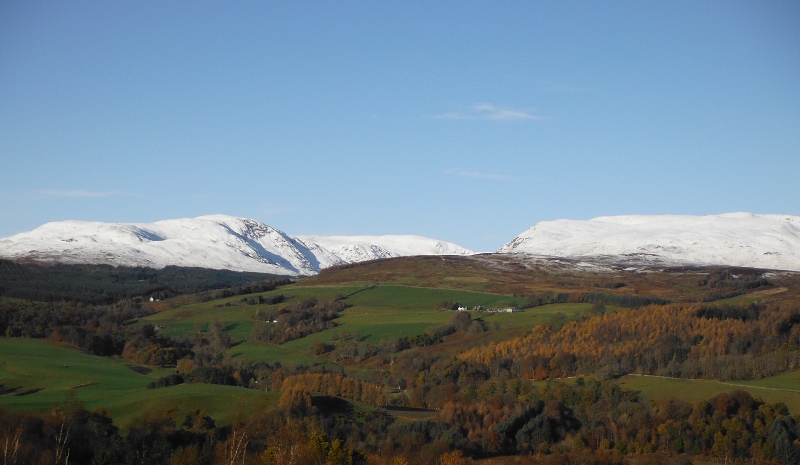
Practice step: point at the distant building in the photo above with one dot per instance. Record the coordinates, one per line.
(504, 310)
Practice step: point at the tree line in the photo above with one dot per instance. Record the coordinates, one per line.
(297, 320)
(681, 340)
(593, 421)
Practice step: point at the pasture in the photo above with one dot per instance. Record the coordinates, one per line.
(770, 390)
(377, 312)
(37, 375)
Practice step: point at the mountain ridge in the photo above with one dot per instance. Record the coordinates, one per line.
(211, 241)
(767, 241)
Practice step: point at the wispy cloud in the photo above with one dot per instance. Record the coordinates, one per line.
(82, 193)
(477, 175)
(488, 111)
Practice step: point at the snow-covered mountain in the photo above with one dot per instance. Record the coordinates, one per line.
(214, 241)
(732, 239)
(226, 242)
(351, 249)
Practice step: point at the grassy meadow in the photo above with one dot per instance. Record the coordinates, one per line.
(782, 388)
(387, 299)
(377, 313)
(38, 375)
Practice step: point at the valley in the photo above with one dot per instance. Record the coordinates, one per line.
(312, 349)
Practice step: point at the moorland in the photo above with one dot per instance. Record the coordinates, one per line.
(375, 363)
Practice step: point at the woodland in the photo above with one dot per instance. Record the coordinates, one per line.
(541, 386)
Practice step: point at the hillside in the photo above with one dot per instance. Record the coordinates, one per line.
(371, 357)
(524, 274)
(98, 284)
(732, 239)
(215, 241)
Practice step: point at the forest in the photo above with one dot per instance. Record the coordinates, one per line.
(431, 385)
(104, 284)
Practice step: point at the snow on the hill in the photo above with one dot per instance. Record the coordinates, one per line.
(351, 249)
(226, 242)
(214, 241)
(732, 239)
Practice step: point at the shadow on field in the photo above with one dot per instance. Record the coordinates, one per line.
(140, 369)
(330, 405)
(5, 390)
(13, 391)
(410, 412)
(28, 392)
(344, 297)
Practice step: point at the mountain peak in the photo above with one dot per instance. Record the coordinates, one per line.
(209, 241)
(732, 239)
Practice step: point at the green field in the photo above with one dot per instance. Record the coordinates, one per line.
(41, 373)
(273, 352)
(540, 315)
(377, 313)
(789, 380)
(393, 311)
(770, 390)
(44, 372)
(422, 297)
(184, 321)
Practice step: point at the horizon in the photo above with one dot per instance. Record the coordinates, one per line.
(464, 122)
(729, 215)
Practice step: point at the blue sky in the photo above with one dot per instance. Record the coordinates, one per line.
(463, 121)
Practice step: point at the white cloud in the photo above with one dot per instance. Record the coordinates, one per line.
(83, 193)
(488, 111)
(477, 175)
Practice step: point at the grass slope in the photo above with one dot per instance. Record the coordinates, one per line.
(40, 373)
(377, 313)
(183, 320)
(389, 299)
(770, 390)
